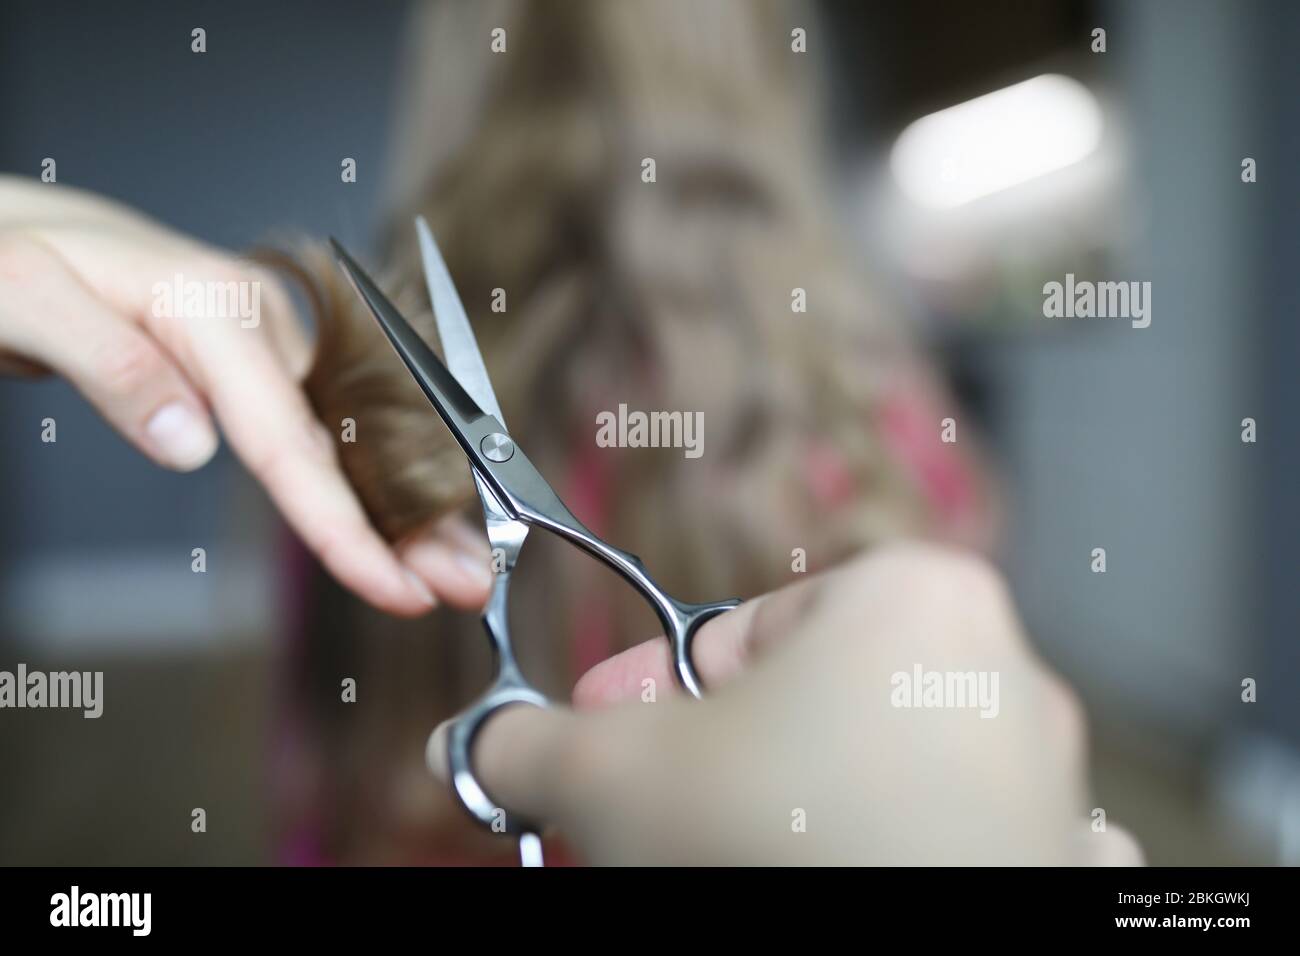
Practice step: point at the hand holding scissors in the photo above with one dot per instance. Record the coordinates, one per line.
(515, 497)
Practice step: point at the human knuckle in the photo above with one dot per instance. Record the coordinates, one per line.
(304, 441)
(123, 365)
(23, 258)
(270, 463)
(933, 568)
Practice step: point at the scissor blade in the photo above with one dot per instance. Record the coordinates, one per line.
(449, 399)
(459, 346)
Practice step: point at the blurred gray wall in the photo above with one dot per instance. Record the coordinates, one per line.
(1129, 440)
(1132, 441)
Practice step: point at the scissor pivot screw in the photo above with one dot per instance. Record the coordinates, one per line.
(497, 447)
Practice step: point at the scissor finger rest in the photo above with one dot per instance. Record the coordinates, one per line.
(688, 620)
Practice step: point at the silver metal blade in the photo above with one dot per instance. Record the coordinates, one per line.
(456, 406)
(460, 349)
(459, 346)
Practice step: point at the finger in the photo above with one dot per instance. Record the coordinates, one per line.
(273, 431)
(518, 758)
(452, 559)
(120, 369)
(135, 278)
(258, 404)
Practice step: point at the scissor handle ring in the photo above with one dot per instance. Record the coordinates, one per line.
(460, 745)
(690, 618)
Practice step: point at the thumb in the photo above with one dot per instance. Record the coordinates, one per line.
(519, 757)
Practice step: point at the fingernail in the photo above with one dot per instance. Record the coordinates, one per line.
(435, 752)
(181, 436)
(421, 588)
(475, 567)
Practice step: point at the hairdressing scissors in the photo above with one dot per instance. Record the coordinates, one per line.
(515, 497)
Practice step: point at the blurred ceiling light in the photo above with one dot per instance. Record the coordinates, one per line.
(997, 141)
